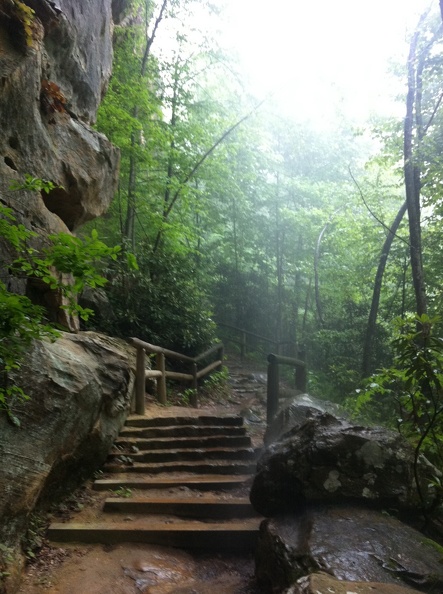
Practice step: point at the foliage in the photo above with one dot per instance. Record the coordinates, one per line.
(21, 321)
(33, 184)
(6, 559)
(122, 492)
(33, 539)
(409, 394)
(26, 16)
(270, 233)
(162, 302)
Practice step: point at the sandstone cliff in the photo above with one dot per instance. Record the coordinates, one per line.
(55, 64)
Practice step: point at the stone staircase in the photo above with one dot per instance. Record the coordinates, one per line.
(179, 481)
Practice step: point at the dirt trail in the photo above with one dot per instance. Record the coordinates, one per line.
(150, 569)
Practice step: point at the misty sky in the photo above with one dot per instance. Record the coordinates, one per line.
(315, 55)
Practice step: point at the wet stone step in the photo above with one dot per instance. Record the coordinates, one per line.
(204, 467)
(240, 536)
(183, 442)
(188, 455)
(182, 431)
(208, 507)
(201, 483)
(137, 421)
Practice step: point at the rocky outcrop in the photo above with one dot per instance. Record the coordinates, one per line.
(349, 544)
(330, 459)
(53, 72)
(320, 483)
(80, 389)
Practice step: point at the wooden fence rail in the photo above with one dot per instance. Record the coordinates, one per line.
(161, 374)
(273, 383)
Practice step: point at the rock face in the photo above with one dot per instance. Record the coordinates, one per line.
(53, 74)
(80, 388)
(55, 64)
(349, 544)
(329, 459)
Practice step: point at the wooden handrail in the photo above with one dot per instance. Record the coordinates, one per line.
(152, 348)
(273, 385)
(161, 374)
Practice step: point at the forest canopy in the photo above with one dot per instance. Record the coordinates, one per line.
(239, 215)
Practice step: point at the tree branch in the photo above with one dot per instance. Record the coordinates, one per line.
(389, 229)
(199, 163)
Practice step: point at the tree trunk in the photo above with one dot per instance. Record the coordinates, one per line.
(370, 329)
(412, 174)
(316, 277)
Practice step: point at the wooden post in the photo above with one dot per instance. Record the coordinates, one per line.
(221, 356)
(194, 397)
(140, 382)
(161, 381)
(272, 389)
(301, 377)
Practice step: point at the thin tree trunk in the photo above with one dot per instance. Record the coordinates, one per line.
(129, 228)
(316, 277)
(370, 329)
(412, 175)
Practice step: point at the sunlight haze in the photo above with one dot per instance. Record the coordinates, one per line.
(317, 56)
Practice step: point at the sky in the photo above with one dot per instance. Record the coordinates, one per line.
(316, 55)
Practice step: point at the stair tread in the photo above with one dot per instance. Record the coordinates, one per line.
(177, 479)
(207, 500)
(133, 439)
(226, 449)
(147, 524)
(140, 421)
(188, 464)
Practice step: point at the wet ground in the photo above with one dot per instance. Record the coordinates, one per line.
(138, 569)
(151, 569)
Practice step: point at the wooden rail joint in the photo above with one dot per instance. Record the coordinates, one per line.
(161, 374)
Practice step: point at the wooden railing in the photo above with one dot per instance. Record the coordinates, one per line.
(161, 374)
(241, 339)
(273, 386)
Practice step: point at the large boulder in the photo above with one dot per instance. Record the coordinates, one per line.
(325, 458)
(80, 389)
(349, 544)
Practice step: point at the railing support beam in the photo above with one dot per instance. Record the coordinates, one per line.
(161, 381)
(140, 382)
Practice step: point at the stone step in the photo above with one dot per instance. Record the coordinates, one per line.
(182, 431)
(184, 454)
(198, 482)
(197, 467)
(239, 536)
(139, 421)
(162, 443)
(183, 507)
